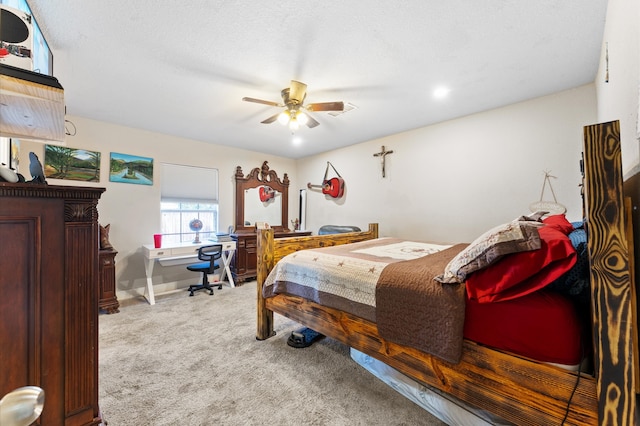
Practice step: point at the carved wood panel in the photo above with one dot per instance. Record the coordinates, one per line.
(612, 315)
(18, 324)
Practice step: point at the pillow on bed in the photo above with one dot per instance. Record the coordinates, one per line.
(560, 222)
(534, 217)
(575, 283)
(512, 237)
(522, 273)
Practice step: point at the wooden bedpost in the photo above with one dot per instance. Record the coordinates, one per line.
(265, 264)
(611, 293)
(373, 229)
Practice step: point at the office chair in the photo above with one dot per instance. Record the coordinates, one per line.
(209, 255)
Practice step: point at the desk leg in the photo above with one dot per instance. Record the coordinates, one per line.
(226, 271)
(148, 267)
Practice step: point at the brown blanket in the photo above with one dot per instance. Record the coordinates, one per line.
(413, 309)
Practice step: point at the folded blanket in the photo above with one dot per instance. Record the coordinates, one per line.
(413, 309)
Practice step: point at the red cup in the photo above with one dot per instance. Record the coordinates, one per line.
(157, 240)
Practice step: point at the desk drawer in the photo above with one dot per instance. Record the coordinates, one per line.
(228, 245)
(153, 253)
(184, 251)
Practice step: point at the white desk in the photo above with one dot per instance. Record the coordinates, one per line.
(183, 251)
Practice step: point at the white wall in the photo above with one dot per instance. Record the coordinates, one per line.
(452, 181)
(134, 210)
(448, 182)
(618, 97)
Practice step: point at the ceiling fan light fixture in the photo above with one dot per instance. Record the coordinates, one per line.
(293, 124)
(297, 114)
(302, 118)
(284, 117)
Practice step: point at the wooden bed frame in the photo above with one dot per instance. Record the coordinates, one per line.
(519, 390)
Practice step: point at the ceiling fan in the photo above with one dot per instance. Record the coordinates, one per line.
(296, 113)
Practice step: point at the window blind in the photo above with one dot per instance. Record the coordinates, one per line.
(188, 182)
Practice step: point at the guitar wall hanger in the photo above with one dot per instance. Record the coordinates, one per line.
(333, 187)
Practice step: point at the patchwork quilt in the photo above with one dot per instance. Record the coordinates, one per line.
(388, 281)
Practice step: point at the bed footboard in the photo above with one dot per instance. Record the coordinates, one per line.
(271, 250)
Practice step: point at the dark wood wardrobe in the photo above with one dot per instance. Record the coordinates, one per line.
(49, 297)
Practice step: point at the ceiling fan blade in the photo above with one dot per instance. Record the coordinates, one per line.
(311, 122)
(326, 106)
(260, 101)
(270, 119)
(297, 91)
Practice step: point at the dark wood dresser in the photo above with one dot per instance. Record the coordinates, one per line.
(107, 297)
(244, 262)
(248, 189)
(49, 300)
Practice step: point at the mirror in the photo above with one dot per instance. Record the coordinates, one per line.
(261, 197)
(262, 204)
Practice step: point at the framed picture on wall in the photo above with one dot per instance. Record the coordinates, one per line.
(61, 162)
(125, 168)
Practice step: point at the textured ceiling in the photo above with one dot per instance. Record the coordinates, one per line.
(182, 68)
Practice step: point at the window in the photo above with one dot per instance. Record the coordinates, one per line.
(188, 193)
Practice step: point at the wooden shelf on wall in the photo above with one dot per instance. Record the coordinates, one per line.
(31, 105)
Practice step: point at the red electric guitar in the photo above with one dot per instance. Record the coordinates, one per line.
(266, 193)
(333, 187)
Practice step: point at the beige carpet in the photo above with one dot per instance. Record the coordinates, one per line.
(195, 361)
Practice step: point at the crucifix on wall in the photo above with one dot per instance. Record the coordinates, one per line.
(383, 154)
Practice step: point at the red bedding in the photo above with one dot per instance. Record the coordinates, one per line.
(542, 325)
(506, 308)
(519, 274)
